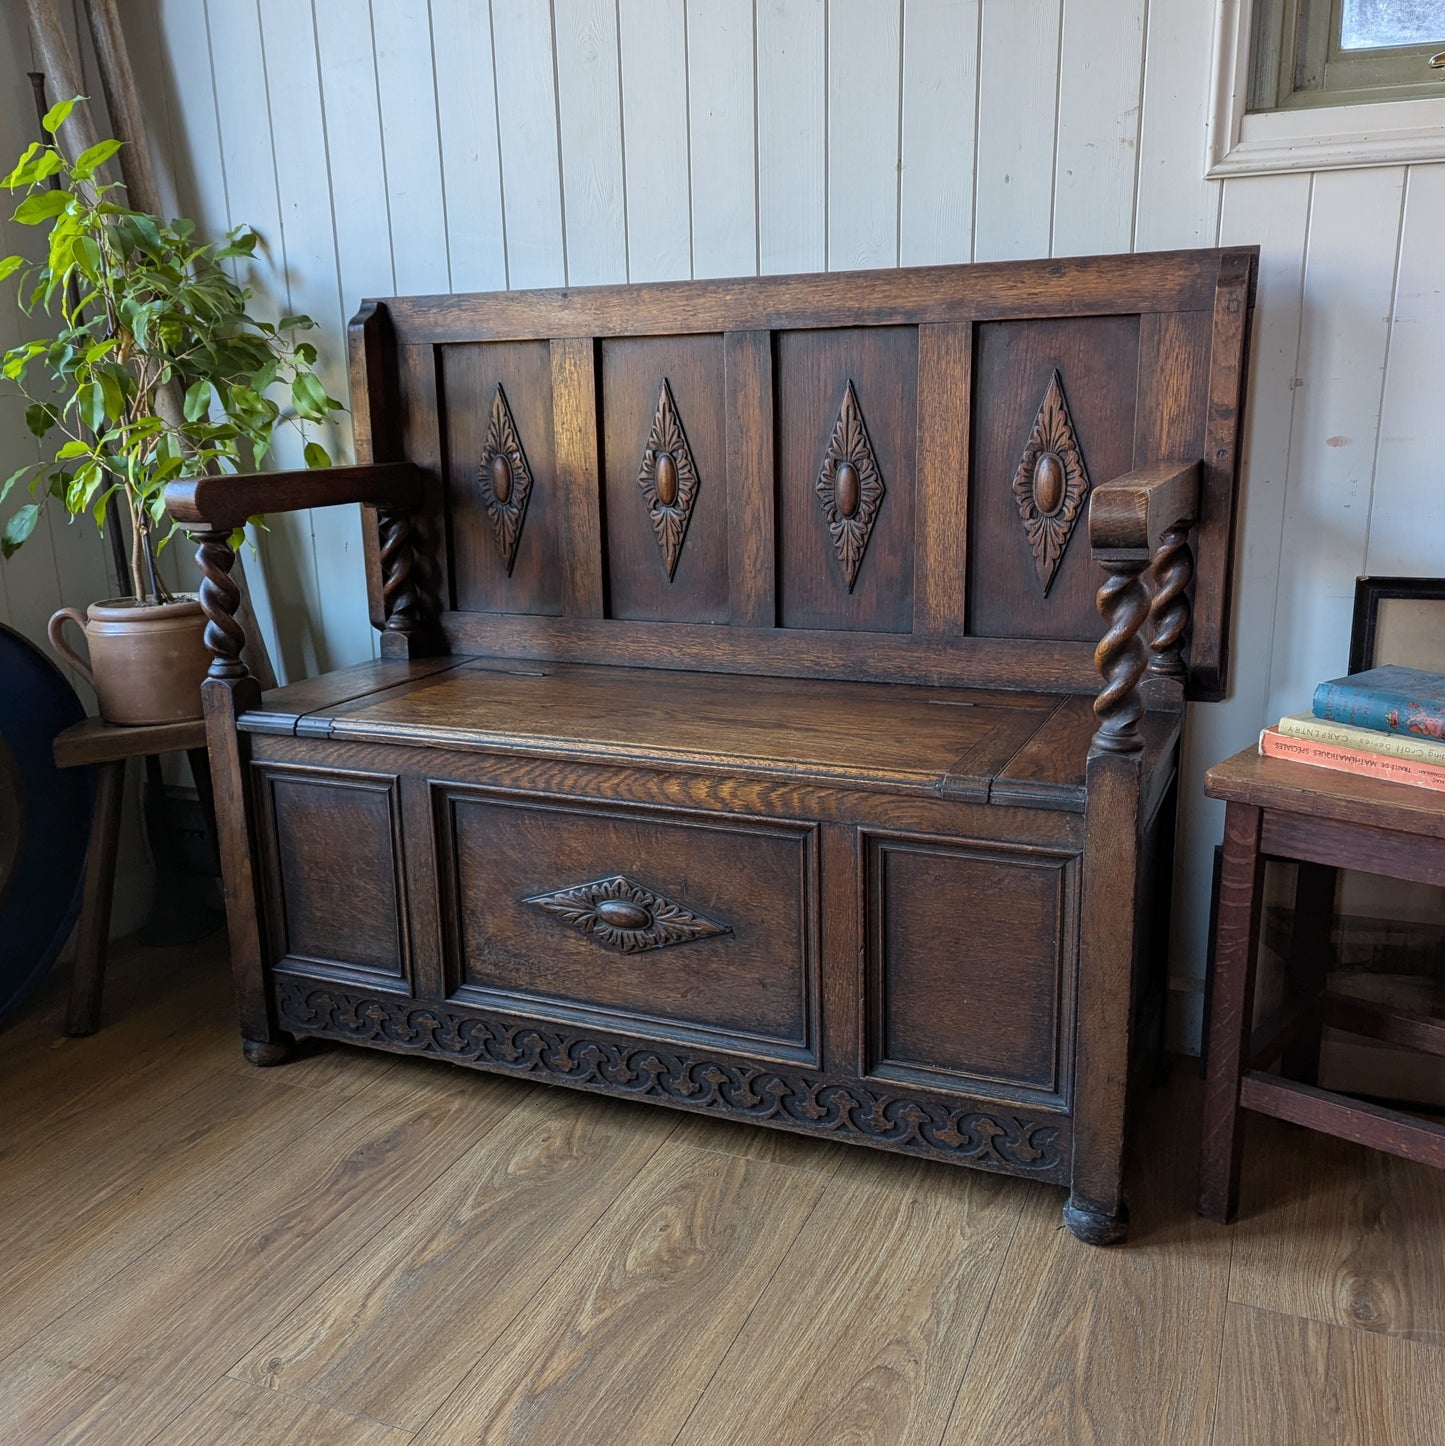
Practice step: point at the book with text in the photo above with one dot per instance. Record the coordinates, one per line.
(1274, 744)
(1370, 740)
(1389, 699)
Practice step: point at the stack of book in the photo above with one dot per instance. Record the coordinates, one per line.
(1386, 723)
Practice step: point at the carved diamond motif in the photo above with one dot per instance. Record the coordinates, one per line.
(1051, 483)
(505, 478)
(668, 479)
(850, 487)
(626, 916)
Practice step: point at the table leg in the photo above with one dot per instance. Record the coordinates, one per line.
(86, 983)
(1309, 965)
(1231, 1014)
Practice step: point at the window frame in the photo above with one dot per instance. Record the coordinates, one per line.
(1331, 135)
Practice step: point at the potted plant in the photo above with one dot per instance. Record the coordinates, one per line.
(153, 369)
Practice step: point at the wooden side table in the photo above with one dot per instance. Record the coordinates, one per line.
(1326, 821)
(108, 746)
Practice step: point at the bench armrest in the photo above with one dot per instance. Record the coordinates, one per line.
(1136, 522)
(225, 502)
(212, 508)
(1130, 515)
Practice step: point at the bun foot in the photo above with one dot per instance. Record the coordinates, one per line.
(1095, 1227)
(263, 1053)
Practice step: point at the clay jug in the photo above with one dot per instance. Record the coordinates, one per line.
(147, 660)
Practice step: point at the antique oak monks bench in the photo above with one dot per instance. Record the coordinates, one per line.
(779, 696)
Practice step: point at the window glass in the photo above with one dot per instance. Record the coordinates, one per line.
(1375, 24)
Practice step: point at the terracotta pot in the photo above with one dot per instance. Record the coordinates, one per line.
(147, 660)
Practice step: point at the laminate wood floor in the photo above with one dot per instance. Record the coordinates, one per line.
(370, 1251)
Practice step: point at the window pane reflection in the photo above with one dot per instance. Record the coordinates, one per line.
(1373, 24)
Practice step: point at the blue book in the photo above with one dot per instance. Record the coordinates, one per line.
(1389, 700)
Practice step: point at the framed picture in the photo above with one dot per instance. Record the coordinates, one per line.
(1398, 620)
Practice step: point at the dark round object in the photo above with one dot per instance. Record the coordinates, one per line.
(666, 472)
(1049, 483)
(44, 817)
(501, 477)
(847, 489)
(623, 914)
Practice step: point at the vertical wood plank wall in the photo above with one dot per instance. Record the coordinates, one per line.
(460, 145)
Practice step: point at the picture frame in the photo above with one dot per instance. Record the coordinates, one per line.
(1398, 620)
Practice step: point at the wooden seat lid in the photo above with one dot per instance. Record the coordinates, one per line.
(970, 744)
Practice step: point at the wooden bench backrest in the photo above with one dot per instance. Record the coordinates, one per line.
(946, 554)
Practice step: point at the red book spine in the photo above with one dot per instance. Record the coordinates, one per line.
(1274, 744)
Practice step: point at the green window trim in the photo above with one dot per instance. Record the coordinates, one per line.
(1296, 60)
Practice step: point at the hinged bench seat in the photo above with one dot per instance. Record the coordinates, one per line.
(779, 700)
(975, 745)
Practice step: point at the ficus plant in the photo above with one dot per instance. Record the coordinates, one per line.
(153, 368)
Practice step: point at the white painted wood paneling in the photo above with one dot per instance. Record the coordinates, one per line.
(940, 77)
(1275, 215)
(1348, 287)
(792, 136)
(1407, 503)
(461, 35)
(1096, 156)
(297, 117)
(411, 144)
(589, 102)
(1176, 205)
(865, 67)
(1017, 115)
(721, 111)
(523, 59)
(653, 37)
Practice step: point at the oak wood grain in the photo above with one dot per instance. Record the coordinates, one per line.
(501, 1220)
(1101, 285)
(1338, 1233)
(1323, 793)
(895, 1326)
(235, 1413)
(265, 1244)
(103, 1202)
(619, 1344)
(228, 501)
(1116, 1346)
(1291, 1382)
(846, 731)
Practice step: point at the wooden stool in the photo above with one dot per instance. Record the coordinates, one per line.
(108, 746)
(1326, 821)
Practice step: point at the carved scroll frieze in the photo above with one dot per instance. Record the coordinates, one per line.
(505, 479)
(995, 1139)
(625, 915)
(668, 478)
(850, 487)
(1051, 483)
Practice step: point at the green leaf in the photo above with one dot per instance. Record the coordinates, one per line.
(198, 400)
(89, 161)
(41, 207)
(112, 398)
(10, 265)
(56, 116)
(47, 165)
(316, 455)
(295, 323)
(40, 418)
(13, 478)
(72, 448)
(309, 396)
(90, 402)
(16, 178)
(19, 528)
